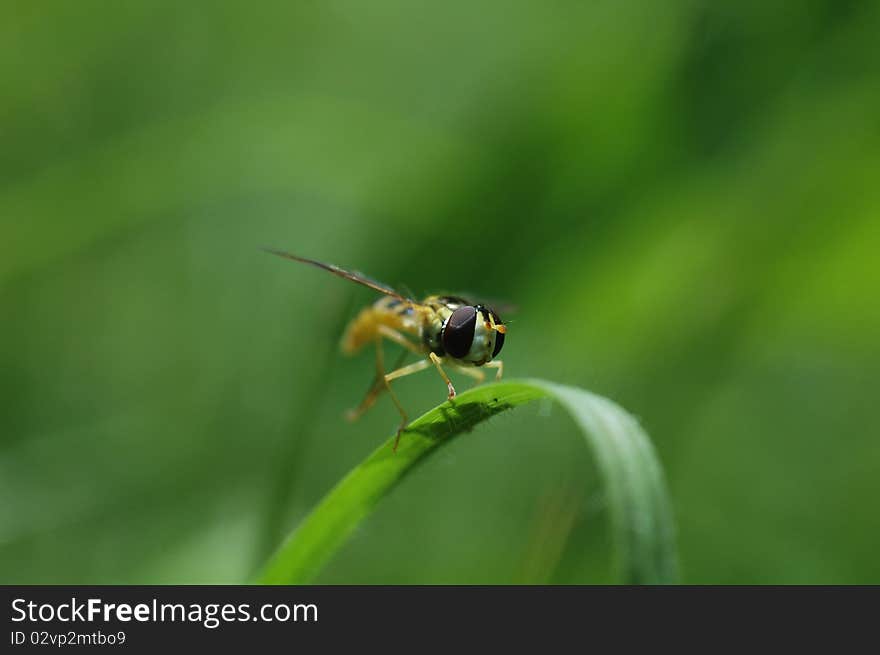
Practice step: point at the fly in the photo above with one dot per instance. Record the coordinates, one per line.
(444, 331)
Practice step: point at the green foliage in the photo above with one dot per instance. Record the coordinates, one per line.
(680, 197)
(637, 500)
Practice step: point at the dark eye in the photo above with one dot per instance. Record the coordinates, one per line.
(499, 337)
(458, 335)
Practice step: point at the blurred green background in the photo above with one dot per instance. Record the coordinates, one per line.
(682, 198)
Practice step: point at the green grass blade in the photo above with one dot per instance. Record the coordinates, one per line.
(638, 504)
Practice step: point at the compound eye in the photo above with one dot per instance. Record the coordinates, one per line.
(499, 337)
(458, 335)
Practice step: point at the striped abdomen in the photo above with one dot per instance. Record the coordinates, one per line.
(386, 311)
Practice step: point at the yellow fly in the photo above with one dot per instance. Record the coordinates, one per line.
(447, 330)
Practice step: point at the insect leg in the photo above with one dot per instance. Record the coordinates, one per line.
(496, 364)
(474, 373)
(409, 369)
(436, 361)
(399, 339)
(376, 387)
(399, 373)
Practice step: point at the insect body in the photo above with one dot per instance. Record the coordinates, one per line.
(443, 330)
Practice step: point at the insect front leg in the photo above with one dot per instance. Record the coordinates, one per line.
(474, 373)
(496, 364)
(436, 360)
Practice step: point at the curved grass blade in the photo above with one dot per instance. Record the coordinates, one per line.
(638, 504)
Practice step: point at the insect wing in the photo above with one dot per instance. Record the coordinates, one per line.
(354, 276)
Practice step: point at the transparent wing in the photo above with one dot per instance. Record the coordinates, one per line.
(354, 276)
